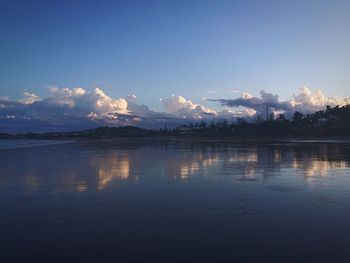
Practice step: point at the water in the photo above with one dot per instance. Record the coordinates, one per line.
(139, 201)
(23, 143)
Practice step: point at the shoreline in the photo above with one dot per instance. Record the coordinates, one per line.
(204, 140)
(184, 138)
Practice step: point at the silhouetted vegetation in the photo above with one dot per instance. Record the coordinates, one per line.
(331, 122)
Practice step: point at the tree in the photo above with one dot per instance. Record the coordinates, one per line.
(297, 116)
(212, 126)
(203, 125)
(281, 117)
(258, 118)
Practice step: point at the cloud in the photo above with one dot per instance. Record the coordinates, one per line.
(305, 101)
(77, 98)
(77, 103)
(29, 98)
(183, 108)
(131, 98)
(70, 108)
(257, 104)
(4, 98)
(76, 108)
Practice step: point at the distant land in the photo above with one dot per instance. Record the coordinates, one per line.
(328, 123)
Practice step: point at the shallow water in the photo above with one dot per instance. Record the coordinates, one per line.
(142, 201)
(25, 143)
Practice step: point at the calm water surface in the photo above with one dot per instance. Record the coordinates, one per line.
(143, 201)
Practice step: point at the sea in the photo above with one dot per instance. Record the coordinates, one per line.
(143, 200)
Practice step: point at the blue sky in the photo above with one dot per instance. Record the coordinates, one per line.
(157, 48)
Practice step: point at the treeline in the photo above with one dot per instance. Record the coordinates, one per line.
(331, 122)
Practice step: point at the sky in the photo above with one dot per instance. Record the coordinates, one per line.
(193, 49)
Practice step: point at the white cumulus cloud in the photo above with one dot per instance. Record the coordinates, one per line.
(183, 108)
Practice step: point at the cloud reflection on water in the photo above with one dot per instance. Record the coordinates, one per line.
(79, 169)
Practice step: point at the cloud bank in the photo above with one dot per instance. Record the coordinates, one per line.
(76, 108)
(305, 101)
(67, 109)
